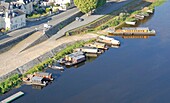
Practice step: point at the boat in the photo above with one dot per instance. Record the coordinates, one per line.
(76, 60)
(133, 31)
(130, 22)
(108, 40)
(92, 50)
(34, 80)
(139, 16)
(61, 61)
(97, 45)
(44, 75)
(151, 11)
(69, 56)
(57, 67)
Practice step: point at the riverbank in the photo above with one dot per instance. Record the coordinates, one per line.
(36, 68)
(42, 57)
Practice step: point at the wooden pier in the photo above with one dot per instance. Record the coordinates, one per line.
(13, 97)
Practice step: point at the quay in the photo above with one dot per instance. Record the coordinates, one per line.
(13, 97)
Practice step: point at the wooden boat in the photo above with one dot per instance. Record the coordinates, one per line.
(76, 60)
(69, 57)
(57, 67)
(140, 17)
(97, 45)
(89, 50)
(44, 75)
(133, 31)
(108, 40)
(130, 23)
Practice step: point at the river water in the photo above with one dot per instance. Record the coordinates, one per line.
(137, 72)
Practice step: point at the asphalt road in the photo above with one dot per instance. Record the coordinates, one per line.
(108, 8)
(39, 24)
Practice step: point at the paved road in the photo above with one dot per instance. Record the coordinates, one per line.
(39, 24)
(108, 8)
(13, 58)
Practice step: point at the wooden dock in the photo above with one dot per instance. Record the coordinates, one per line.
(13, 97)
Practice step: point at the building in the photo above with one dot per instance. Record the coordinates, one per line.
(63, 2)
(11, 20)
(11, 17)
(25, 5)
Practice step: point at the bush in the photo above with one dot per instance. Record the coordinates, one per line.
(11, 82)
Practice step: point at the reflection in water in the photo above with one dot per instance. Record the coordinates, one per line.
(133, 36)
(37, 87)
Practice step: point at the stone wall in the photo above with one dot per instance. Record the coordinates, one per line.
(54, 29)
(16, 71)
(7, 45)
(24, 68)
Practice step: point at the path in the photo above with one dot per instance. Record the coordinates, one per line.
(11, 60)
(39, 24)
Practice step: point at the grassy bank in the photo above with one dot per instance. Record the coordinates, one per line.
(118, 20)
(11, 82)
(16, 79)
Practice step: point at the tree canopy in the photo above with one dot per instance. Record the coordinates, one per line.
(86, 6)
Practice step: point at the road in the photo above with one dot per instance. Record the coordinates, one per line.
(39, 24)
(108, 8)
(13, 59)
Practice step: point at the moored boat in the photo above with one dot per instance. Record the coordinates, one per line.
(89, 50)
(108, 40)
(97, 45)
(76, 60)
(133, 31)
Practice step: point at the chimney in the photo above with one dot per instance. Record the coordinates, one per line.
(13, 14)
(6, 14)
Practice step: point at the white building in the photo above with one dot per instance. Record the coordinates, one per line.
(11, 20)
(63, 2)
(15, 19)
(2, 22)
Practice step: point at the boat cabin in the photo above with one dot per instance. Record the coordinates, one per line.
(47, 76)
(37, 80)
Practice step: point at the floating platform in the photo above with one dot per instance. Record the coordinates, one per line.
(137, 31)
(13, 97)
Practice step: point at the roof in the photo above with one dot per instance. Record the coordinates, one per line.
(135, 28)
(97, 43)
(4, 6)
(37, 78)
(75, 54)
(42, 74)
(79, 57)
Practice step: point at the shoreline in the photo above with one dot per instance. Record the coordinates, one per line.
(39, 68)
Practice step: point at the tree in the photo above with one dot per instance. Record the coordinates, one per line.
(101, 2)
(86, 6)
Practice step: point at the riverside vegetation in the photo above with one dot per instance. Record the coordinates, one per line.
(16, 79)
(112, 20)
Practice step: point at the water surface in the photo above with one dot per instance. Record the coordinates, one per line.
(137, 72)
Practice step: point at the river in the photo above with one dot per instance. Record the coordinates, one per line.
(137, 72)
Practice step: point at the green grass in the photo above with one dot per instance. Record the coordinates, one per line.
(11, 82)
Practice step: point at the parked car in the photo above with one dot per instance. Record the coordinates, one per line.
(79, 19)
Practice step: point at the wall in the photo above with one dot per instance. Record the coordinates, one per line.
(53, 30)
(6, 46)
(23, 69)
